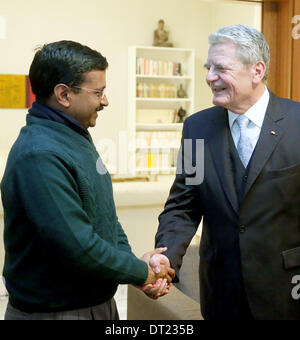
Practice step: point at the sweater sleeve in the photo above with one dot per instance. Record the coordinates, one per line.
(123, 240)
(50, 194)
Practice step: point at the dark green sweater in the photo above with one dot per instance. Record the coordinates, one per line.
(65, 248)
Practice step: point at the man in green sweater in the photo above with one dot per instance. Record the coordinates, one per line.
(65, 251)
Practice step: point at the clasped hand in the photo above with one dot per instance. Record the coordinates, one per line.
(160, 274)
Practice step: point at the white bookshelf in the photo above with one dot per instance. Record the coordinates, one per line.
(144, 64)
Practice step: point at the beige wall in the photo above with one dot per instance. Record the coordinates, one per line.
(110, 26)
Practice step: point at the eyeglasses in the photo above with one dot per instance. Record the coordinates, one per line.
(99, 93)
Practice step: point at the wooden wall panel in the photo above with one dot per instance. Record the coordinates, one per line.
(277, 26)
(284, 49)
(296, 59)
(269, 29)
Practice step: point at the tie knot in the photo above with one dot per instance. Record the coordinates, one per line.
(242, 121)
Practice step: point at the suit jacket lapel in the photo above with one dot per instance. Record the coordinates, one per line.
(219, 146)
(270, 135)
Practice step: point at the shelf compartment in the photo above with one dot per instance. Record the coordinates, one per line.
(159, 127)
(141, 76)
(159, 170)
(175, 100)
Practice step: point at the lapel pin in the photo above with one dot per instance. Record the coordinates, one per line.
(273, 133)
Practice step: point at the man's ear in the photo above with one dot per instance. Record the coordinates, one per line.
(62, 95)
(259, 70)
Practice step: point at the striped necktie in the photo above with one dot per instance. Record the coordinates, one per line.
(244, 146)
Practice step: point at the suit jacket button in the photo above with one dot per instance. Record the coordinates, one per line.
(245, 178)
(242, 229)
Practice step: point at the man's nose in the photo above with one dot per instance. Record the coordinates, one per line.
(104, 101)
(211, 76)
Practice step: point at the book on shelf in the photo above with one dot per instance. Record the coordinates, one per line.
(158, 139)
(149, 67)
(151, 90)
(157, 159)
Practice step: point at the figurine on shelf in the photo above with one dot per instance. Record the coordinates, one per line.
(177, 69)
(181, 92)
(181, 115)
(161, 36)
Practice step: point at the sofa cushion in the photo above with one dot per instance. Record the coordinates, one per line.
(189, 273)
(174, 306)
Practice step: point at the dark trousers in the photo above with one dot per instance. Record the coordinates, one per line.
(239, 311)
(244, 311)
(105, 311)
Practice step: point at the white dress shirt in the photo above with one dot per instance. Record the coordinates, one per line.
(256, 115)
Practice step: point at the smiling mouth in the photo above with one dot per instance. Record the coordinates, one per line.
(218, 89)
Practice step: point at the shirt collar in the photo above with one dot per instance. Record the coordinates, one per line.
(256, 113)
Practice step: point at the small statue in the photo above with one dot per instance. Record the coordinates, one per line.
(181, 92)
(181, 114)
(161, 36)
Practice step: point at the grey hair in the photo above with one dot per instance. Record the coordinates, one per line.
(251, 44)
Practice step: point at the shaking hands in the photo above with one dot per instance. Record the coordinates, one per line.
(160, 274)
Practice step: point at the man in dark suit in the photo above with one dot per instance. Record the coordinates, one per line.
(249, 198)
